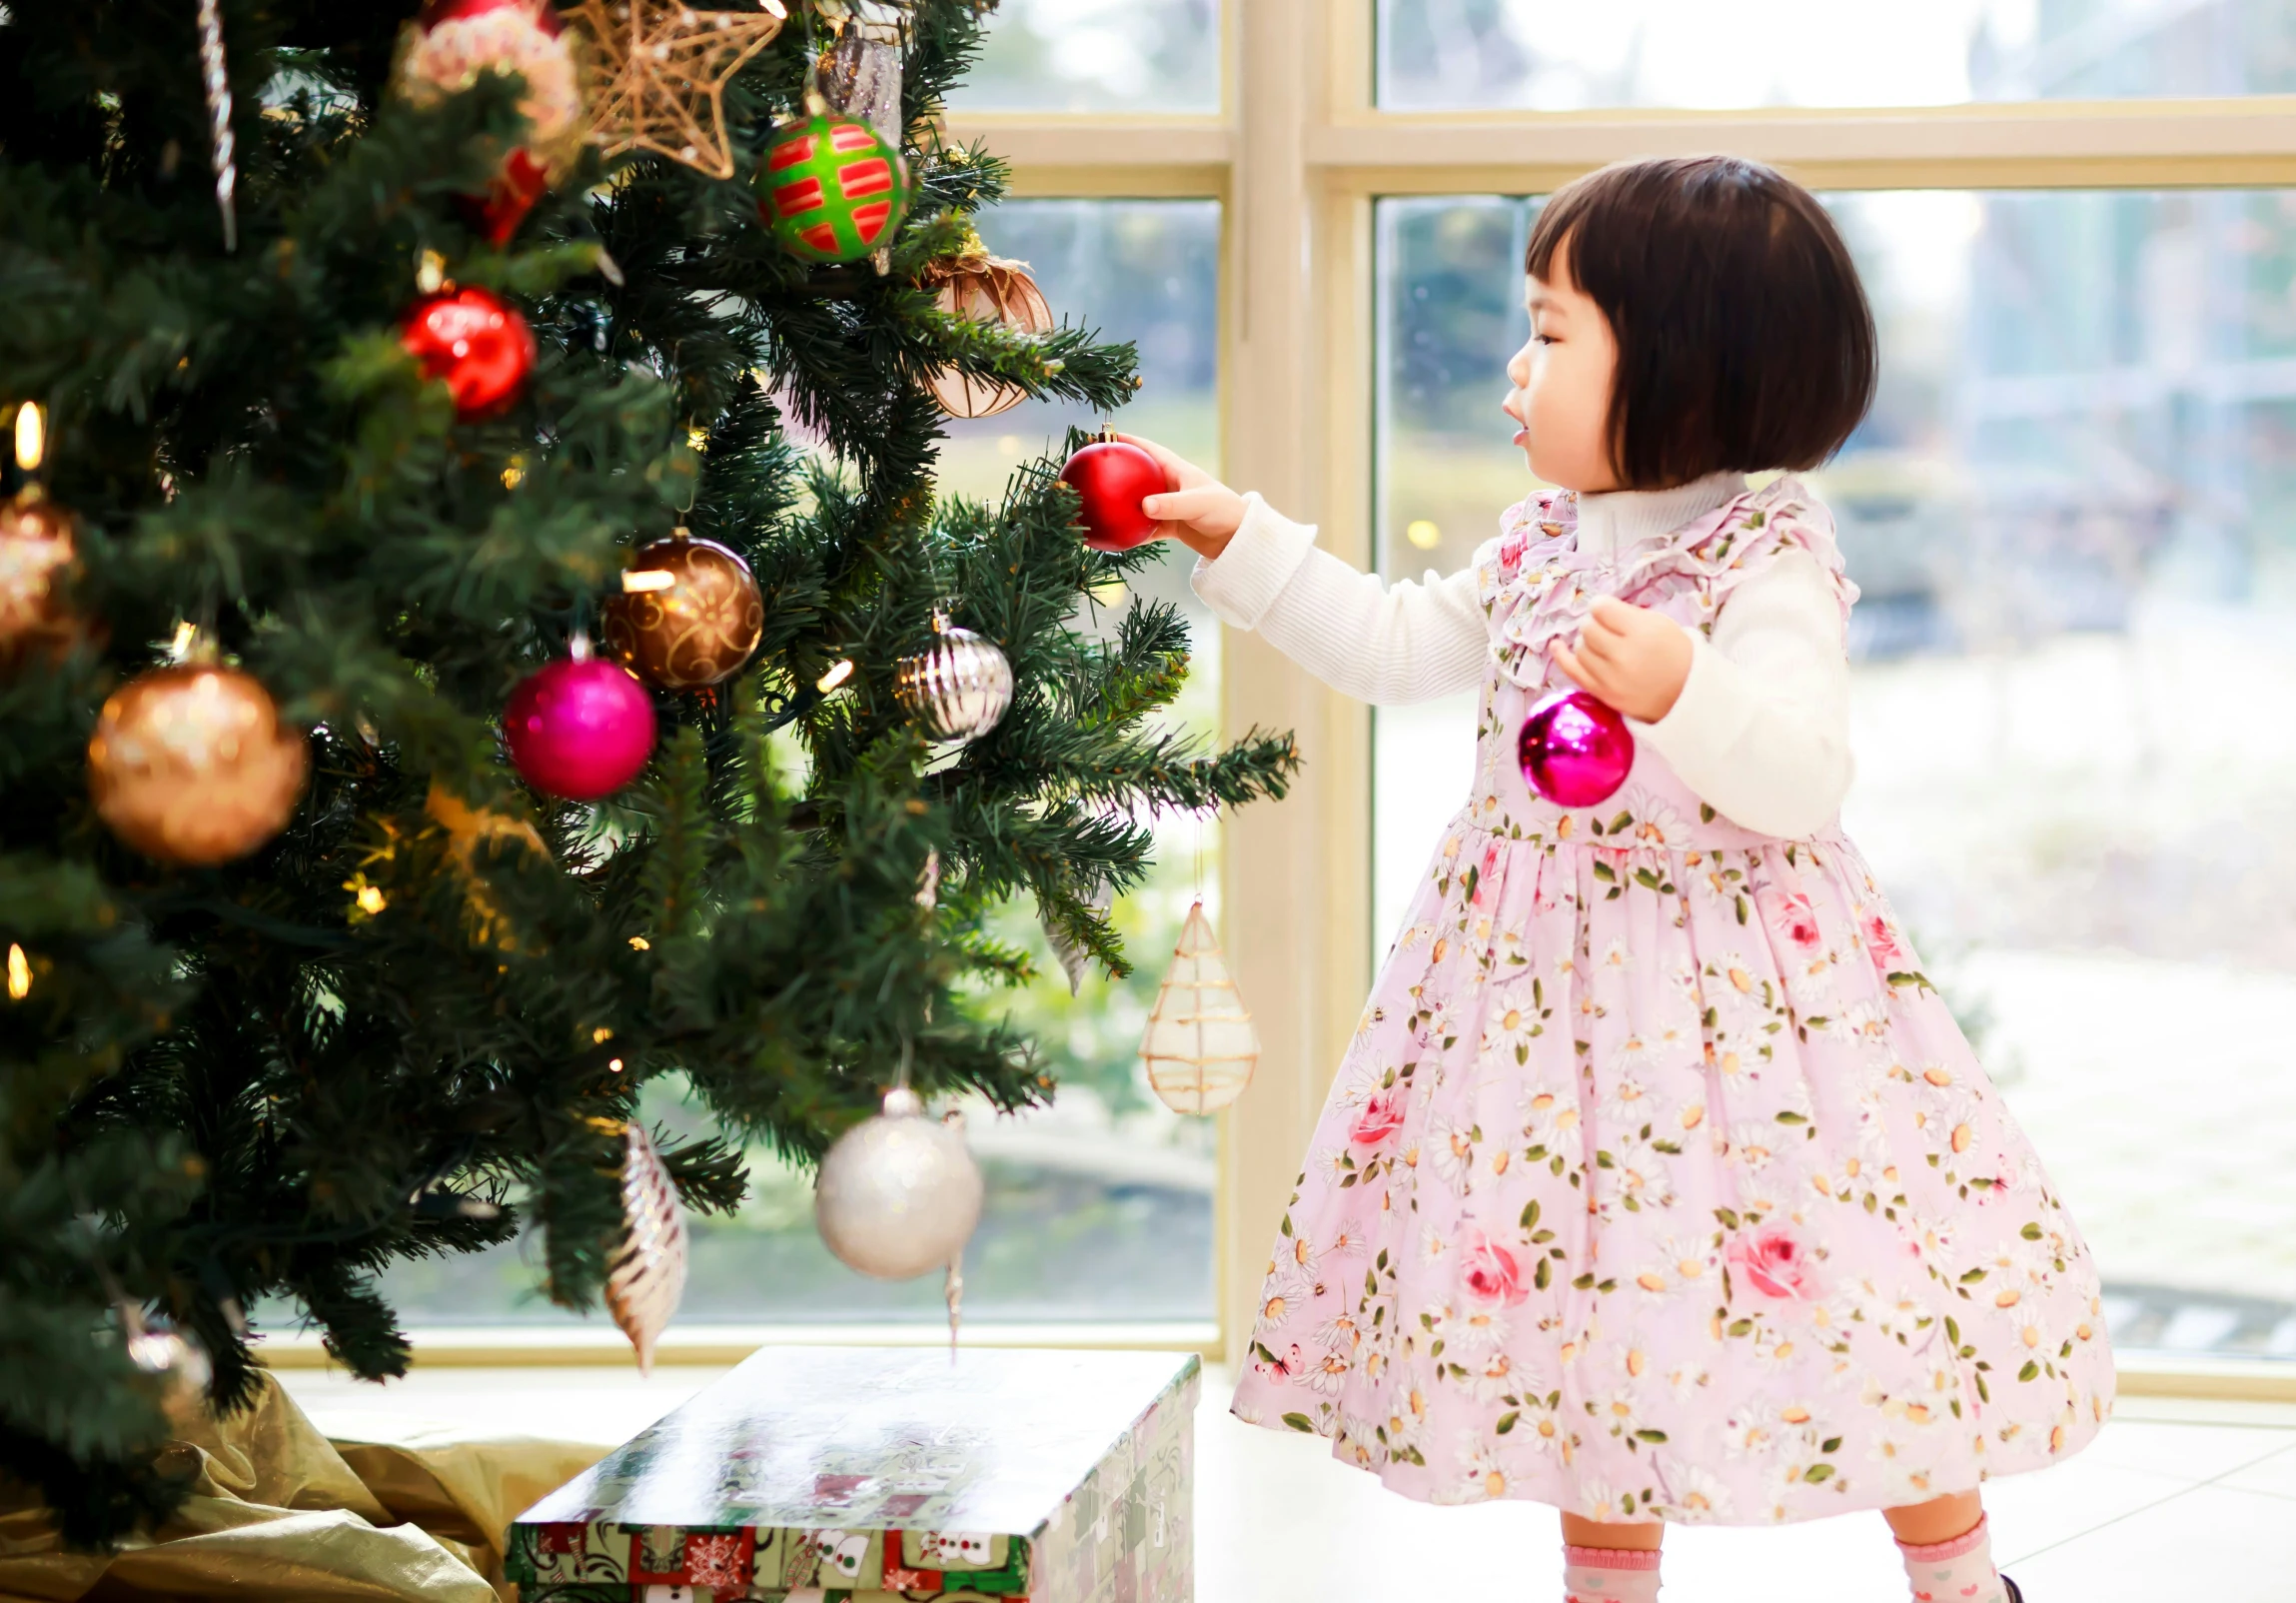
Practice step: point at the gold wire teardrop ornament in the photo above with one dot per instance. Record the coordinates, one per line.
(1199, 1047)
(645, 1278)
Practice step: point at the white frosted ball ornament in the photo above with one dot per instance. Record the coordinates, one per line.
(899, 1193)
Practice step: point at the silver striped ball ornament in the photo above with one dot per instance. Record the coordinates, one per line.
(958, 687)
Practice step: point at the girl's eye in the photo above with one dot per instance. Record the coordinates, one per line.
(1541, 339)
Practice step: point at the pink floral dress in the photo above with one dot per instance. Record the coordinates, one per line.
(1658, 1182)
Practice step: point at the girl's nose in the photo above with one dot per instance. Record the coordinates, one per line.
(1519, 367)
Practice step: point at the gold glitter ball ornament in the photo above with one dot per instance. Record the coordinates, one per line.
(36, 552)
(189, 765)
(688, 616)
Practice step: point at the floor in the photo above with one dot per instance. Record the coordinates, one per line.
(2176, 1500)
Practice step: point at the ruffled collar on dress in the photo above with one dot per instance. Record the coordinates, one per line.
(1536, 581)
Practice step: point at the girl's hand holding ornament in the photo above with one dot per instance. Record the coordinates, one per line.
(1630, 656)
(1196, 509)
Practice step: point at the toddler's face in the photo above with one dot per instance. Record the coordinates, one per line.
(1561, 386)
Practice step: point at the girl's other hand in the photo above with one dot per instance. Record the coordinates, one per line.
(1630, 656)
(1196, 509)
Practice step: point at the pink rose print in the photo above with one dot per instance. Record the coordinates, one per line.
(1380, 1117)
(1883, 942)
(1490, 1273)
(1773, 1264)
(1510, 553)
(1792, 915)
(1489, 871)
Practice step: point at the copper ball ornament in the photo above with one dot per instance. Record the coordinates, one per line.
(688, 616)
(985, 289)
(189, 765)
(36, 554)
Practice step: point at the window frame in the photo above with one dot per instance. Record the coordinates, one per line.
(1297, 157)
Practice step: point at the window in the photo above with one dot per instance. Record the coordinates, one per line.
(1087, 55)
(2088, 293)
(1549, 55)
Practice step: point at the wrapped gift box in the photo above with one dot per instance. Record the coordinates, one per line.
(866, 1476)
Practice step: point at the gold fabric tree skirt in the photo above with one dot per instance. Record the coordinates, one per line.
(278, 1511)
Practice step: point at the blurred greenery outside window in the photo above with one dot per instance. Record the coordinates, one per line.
(1098, 55)
(1558, 55)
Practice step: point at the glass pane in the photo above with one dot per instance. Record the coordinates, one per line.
(1553, 55)
(1100, 1207)
(1098, 55)
(2074, 516)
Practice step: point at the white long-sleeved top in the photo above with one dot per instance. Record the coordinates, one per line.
(1760, 730)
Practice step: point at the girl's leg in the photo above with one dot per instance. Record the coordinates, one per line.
(1610, 1563)
(1948, 1550)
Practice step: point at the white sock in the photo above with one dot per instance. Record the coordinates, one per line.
(1959, 1571)
(1609, 1575)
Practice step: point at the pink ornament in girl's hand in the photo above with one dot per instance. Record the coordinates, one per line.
(1574, 749)
(1112, 478)
(580, 727)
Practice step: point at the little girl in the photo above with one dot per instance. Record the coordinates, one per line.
(1658, 1183)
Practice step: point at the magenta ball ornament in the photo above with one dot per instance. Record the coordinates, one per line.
(1574, 749)
(579, 729)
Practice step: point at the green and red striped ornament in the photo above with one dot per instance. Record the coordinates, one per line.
(832, 188)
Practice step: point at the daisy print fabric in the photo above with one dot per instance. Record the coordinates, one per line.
(1657, 1182)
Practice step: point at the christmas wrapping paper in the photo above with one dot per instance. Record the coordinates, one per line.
(870, 1475)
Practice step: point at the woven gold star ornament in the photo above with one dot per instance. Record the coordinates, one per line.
(658, 71)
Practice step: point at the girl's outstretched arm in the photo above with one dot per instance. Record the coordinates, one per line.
(1380, 642)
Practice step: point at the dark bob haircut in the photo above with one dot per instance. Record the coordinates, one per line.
(1745, 341)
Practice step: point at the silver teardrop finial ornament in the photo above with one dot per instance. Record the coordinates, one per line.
(646, 1277)
(215, 78)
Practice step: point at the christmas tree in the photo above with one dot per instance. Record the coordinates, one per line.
(366, 989)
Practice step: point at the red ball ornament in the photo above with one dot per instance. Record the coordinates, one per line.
(580, 727)
(480, 347)
(1574, 749)
(1113, 478)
